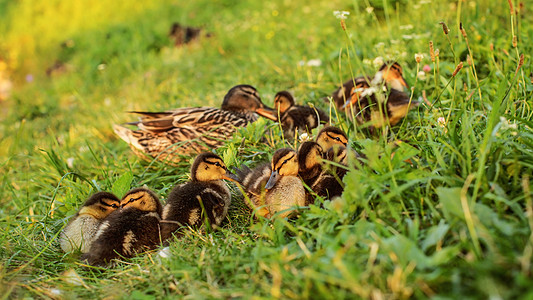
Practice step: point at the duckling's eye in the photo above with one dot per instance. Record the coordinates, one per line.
(218, 164)
(114, 205)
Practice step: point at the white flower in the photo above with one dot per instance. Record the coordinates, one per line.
(314, 62)
(419, 57)
(422, 75)
(406, 27)
(378, 62)
(165, 253)
(369, 9)
(304, 137)
(441, 121)
(342, 15)
(70, 162)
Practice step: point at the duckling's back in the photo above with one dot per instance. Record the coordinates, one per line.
(123, 234)
(79, 233)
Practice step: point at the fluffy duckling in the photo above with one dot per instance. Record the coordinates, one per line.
(297, 117)
(81, 230)
(342, 94)
(206, 192)
(133, 228)
(383, 101)
(330, 136)
(169, 135)
(318, 179)
(274, 187)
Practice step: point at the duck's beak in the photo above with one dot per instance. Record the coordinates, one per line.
(274, 177)
(351, 101)
(267, 112)
(230, 176)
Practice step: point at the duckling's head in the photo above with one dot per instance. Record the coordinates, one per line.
(142, 199)
(208, 166)
(310, 159)
(284, 163)
(337, 154)
(392, 74)
(283, 101)
(244, 98)
(330, 137)
(100, 205)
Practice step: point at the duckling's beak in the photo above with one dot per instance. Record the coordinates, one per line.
(351, 101)
(403, 82)
(230, 176)
(274, 177)
(267, 112)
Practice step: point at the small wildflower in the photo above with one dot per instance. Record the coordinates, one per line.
(431, 51)
(419, 57)
(165, 253)
(369, 9)
(304, 137)
(426, 68)
(441, 122)
(367, 61)
(29, 78)
(70, 162)
(406, 27)
(341, 14)
(314, 63)
(445, 28)
(378, 61)
(101, 67)
(457, 69)
(437, 52)
(422, 75)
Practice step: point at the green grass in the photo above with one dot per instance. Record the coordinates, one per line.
(455, 222)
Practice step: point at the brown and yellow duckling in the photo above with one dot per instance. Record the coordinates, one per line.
(314, 175)
(206, 195)
(81, 230)
(297, 117)
(185, 131)
(274, 187)
(383, 101)
(132, 229)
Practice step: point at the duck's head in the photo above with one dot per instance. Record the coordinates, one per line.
(208, 166)
(360, 88)
(392, 74)
(283, 101)
(244, 98)
(142, 199)
(309, 159)
(100, 205)
(330, 137)
(284, 163)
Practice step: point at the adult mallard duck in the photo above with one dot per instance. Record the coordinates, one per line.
(184, 131)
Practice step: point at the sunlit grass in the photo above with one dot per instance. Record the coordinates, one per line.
(449, 214)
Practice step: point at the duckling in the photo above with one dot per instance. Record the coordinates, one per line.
(312, 173)
(331, 136)
(167, 136)
(131, 229)
(342, 94)
(297, 117)
(274, 187)
(81, 230)
(370, 103)
(206, 193)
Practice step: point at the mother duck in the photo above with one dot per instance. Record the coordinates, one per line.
(169, 135)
